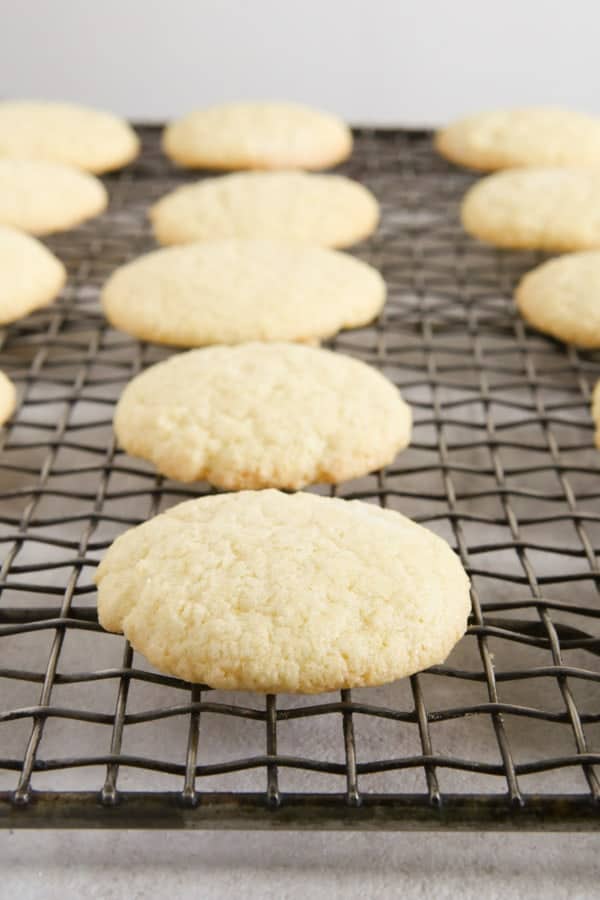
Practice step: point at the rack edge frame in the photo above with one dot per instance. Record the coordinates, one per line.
(166, 810)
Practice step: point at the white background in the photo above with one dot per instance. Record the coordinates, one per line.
(375, 61)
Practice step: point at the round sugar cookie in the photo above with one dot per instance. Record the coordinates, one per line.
(7, 398)
(30, 276)
(67, 133)
(275, 592)
(323, 210)
(263, 415)
(537, 209)
(43, 197)
(509, 138)
(258, 136)
(562, 298)
(233, 290)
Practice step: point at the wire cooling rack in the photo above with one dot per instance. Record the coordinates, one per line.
(505, 735)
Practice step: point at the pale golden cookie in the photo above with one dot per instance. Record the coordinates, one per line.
(7, 398)
(537, 209)
(263, 415)
(43, 197)
(275, 592)
(562, 298)
(30, 276)
(258, 136)
(67, 133)
(509, 138)
(323, 210)
(233, 290)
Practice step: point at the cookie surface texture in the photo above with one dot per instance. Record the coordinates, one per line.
(263, 415)
(556, 210)
(562, 298)
(90, 139)
(258, 136)
(30, 276)
(43, 197)
(275, 592)
(7, 398)
(537, 136)
(323, 210)
(233, 290)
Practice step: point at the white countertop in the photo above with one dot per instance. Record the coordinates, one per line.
(136, 865)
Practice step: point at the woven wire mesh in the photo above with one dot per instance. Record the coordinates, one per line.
(501, 464)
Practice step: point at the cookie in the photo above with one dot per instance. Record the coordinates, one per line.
(324, 210)
(509, 138)
(66, 133)
(538, 209)
(274, 592)
(562, 298)
(7, 398)
(30, 276)
(233, 290)
(263, 415)
(43, 197)
(258, 136)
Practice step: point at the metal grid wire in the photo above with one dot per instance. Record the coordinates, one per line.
(502, 464)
